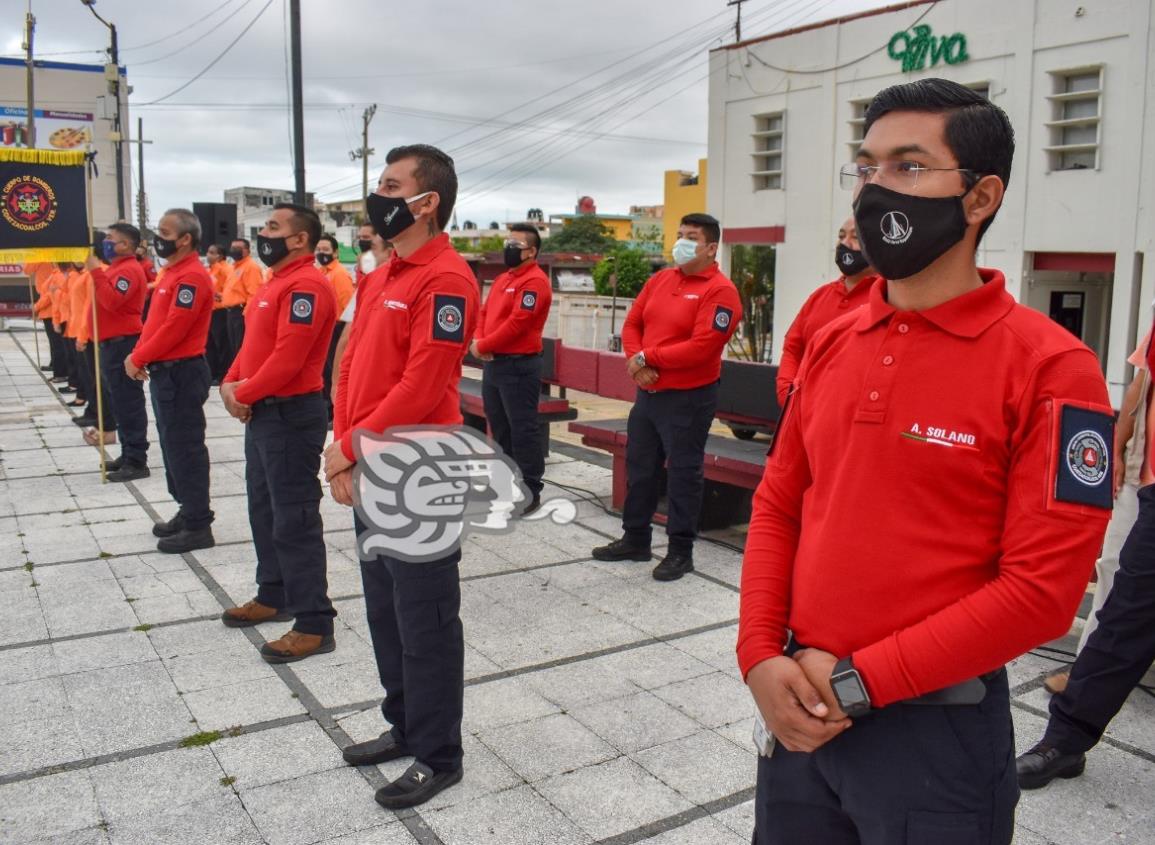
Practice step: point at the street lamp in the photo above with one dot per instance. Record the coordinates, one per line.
(112, 74)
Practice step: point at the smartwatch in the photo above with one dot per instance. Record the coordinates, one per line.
(849, 689)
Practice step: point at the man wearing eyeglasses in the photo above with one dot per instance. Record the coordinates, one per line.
(932, 506)
(829, 302)
(509, 343)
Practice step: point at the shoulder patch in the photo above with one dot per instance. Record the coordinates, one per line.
(122, 285)
(722, 318)
(1083, 463)
(448, 318)
(301, 308)
(528, 300)
(186, 295)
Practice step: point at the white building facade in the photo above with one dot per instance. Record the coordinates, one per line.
(1075, 233)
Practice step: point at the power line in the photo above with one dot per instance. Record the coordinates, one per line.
(183, 31)
(211, 31)
(220, 56)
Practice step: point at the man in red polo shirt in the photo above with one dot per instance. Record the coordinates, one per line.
(674, 336)
(509, 342)
(171, 353)
(829, 302)
(275, 386)
(932, 506)
(411, 330)
(120, 290)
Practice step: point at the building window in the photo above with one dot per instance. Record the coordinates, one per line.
(857, 124)
(1075, 119)
(769, 132)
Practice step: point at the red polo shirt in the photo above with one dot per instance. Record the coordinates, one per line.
(414, 319)
(515, 312)
(120, 292)
(825, 305)
(287, 332)
(935, 497)
(179, 316)
(682, 323)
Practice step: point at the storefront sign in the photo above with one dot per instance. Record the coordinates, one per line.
(913, 47)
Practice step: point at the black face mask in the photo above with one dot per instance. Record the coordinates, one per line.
(164, 247)
(901, 234)
(364, 245)
(390, 216)
(325, 258)
(236, 254)
(850, 262)
(271, 250)
(512, 256)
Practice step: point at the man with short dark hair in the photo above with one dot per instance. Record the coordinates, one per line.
(509, 342)
(934, 499)
(171, 353)
(275, 387)
(674, 337)
(366, 258)
(414, 319)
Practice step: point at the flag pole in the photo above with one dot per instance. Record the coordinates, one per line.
(35, 327)
(95, 334)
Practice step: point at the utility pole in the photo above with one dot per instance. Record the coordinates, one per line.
(112, 74)
(365, 151)
(738, 21)
(141, 199)
(29, 29)
(298, 106)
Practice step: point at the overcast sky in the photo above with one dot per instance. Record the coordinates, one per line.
(447, 72)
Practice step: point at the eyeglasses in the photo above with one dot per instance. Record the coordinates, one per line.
(903, 175)
(517, 244)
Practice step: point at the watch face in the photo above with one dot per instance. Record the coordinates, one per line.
(849, 691)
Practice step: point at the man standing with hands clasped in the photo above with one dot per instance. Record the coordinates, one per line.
(414, 319)
(674, 336)
(932, 506)
(275, 386)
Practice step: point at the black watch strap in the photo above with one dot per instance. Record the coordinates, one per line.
(849, 688)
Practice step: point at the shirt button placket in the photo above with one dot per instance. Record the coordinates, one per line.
(881, 384)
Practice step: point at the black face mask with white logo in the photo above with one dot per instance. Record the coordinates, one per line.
(391, 216)
(902, 235)
(325, 258)
(271, 250)
(163, 246)
(850, 262)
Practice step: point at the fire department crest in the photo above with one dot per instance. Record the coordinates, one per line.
(1087, 457)
(28, 203)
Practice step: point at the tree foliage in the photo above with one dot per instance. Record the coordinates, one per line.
(632, 267)
(752, 270)
(585, 234)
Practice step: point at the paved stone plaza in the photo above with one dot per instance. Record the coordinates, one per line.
(601, 706)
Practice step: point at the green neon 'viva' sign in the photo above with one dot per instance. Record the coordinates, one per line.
(913, 47)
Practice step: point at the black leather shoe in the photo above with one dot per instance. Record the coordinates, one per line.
(621, 550)
(84, 421)
(380, 750)
(114, 464)
(533, 505)
(673, 567)
(47, 368)
(1043, 763)
(416, 786)
(186, 541)
(168, 529)
(129, 471)
(65, 389)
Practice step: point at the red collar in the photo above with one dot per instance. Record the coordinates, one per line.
(426, 252)
(968, 315)
(293, 266)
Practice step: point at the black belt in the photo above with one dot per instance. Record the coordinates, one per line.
(503, 356)
(280, 400)
(970, 691)
(164, 365)
(118, 337)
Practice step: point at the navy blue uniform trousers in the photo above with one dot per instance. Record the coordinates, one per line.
(671, 427)
(283, 443)
(418, 641)
(1119, 651)
(126, 396)
(179, 391)
(510, 388)
(907, 774)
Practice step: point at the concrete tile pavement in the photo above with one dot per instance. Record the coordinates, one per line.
(600, 706)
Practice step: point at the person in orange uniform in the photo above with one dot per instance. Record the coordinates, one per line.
(217, 352)
(414, 320)
(828, 303)
(328, 260)
(932, 506)
(120, 291)
(62, 325)
(275, 387)
(171, 353)
(509, 341)
(246, 280)
(77, 333)
(46, 308)
(40, 272)
(86, 349)
(674, 336)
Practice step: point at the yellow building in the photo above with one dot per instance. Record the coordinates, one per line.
(685, 193)
(621, 226)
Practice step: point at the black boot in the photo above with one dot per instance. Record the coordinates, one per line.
(170, 528)
(673, 566)
(621, 549)
(129, 471)
(1043, 763)
(187, 541)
